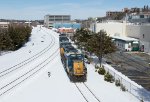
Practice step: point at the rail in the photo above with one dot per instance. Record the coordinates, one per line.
(89, 90)
(12, 84)
(25, 62)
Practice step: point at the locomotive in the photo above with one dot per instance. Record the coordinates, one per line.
(73, 60)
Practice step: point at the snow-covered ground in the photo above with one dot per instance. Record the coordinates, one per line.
(29, 80)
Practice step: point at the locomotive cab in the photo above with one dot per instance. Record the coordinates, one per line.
(76, 64)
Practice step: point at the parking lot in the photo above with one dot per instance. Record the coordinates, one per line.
(135, 65)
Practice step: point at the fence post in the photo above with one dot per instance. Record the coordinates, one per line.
(130, 87)
(121, 80)
(114, 75)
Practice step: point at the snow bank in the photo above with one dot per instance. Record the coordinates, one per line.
(57, 87)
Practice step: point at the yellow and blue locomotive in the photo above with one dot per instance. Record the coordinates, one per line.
(73, 61)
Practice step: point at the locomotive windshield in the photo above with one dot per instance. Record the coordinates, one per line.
(74, 57)
(64, 44)
(63, 39)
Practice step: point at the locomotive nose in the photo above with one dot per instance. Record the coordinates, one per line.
(78, 68)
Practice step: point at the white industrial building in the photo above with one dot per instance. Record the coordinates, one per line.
(124, 28)
(51, 20)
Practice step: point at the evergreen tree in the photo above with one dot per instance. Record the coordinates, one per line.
(98, 43)
(14, 37)
(103, 45)
(81, 37)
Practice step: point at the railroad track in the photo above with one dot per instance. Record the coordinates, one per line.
(135, 60)
(9, 86)
(139, 74)
(18, 80)
(86, 92)
(131, 62)
(27, 61)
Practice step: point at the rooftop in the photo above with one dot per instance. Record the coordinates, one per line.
(124, 38)
(4, 22)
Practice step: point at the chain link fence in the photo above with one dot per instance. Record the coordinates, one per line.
(137, 91)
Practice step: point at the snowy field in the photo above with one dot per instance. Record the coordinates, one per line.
(24, 75)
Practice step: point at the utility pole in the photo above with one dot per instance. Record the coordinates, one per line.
(100, 48)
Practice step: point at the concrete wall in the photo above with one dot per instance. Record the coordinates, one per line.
(112, 28)
(146, 46)
(137, 31)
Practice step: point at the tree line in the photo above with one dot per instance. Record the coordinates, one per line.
(14, 37)
(97, 43)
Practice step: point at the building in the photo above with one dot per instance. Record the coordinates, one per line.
(51, 20)
(68, 31)
(128, 28)
(4, 25)
(111, 13)
(126, 43)
(139, 17)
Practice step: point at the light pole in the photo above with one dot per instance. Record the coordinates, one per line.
(100, 48)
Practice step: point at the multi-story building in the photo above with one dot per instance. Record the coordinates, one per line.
(51, 20)
(111, 13)
(139, 17)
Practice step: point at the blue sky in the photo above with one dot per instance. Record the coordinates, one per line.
(78, 9)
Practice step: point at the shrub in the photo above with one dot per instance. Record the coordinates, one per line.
(142, 100)
(101, 70)
(96, 67)
(108, 77)
(14, 37)
(123, 88)
(117, 82)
